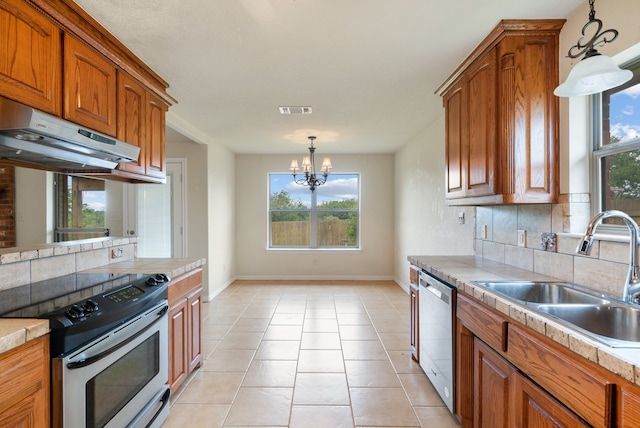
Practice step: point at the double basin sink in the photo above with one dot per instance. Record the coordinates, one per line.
(607, 320)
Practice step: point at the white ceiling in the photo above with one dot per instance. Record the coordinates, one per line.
(368, 68)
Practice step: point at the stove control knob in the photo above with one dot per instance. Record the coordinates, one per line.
(157, 279)
(75, 312)
(90, 306)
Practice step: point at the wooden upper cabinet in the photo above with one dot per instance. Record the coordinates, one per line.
(502, 118)
(455, 105)
(30, 57)
(131, 120)
(141, 122)
(481, 130)
(89, 87)
(156, 162)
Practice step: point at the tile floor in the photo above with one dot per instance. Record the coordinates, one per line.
(308, 355)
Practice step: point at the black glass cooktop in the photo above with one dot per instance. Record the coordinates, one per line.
(38, 298)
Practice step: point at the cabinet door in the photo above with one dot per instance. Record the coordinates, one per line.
(30, 57)
(195, 336)
(24, 374)
(155, 136)
(481, 123)
(629, 406)
(415, 322)
(492, 388)
(534, 408)
(529, 118)
(132, 120)
(178, 344)
(26, 413)
(89, 87)
(455, 140)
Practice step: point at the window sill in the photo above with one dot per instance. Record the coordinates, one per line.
(314, 250)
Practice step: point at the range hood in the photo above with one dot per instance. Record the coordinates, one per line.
(31, 137)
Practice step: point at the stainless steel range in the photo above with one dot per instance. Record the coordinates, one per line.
(109, 349)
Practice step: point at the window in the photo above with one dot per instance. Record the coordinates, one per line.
(616, 155)
(80, 208)
(328, 217)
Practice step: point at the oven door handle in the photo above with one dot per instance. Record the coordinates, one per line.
(88, 361)
(165, 401)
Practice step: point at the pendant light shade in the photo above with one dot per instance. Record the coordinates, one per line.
(593, 75)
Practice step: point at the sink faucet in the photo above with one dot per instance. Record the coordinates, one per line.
(631, 291)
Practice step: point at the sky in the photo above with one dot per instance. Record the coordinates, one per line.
(95, 200)
(624, 112)
(339, 187)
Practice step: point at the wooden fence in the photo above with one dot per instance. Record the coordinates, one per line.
(331, 233)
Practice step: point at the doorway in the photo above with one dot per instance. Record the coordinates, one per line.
(156, 212)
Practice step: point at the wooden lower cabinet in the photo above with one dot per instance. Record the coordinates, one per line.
(414, 289)
(506, 398)
(178, 343)
(25, 374)
(535, 408)
(185, 326)
(492, 383)
(508, 375)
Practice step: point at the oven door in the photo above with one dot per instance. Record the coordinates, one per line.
(117, 378)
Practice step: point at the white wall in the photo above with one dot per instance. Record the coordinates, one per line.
(221, 219)
(425, 225)
(196, 221)
(373, 261)
(33, 219)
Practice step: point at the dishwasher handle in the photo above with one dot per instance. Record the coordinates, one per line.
(438, 288)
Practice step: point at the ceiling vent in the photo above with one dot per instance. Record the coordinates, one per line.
(294, 110)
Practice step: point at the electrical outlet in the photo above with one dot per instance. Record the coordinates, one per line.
(461, 217)
(522, 238)
(116, 253)
(483, 231)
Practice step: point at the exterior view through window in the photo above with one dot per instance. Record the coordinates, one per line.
(80, 208)
(617, 150)
(328, 217)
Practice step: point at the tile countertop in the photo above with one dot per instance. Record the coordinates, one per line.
(17, 331)
(460, 271)
(171, 267)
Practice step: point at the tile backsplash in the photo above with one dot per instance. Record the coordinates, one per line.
(605, 269)
(24, 265)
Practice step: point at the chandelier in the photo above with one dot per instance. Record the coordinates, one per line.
(310, 178)
(595, 72)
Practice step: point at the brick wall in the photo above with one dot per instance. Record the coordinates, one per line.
(7, 206)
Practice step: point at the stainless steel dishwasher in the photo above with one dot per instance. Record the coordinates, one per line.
(437, 317)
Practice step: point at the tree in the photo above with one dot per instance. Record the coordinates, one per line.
(346, 210)
(282, 201)
(92, 218)
(623, 173)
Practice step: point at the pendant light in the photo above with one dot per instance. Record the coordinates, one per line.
(595, 72)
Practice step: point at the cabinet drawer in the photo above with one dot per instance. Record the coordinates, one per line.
(485, 323)
(183, 285)
(579, 385)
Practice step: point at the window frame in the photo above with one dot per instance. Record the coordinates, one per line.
(599, 151)
(313, 217)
